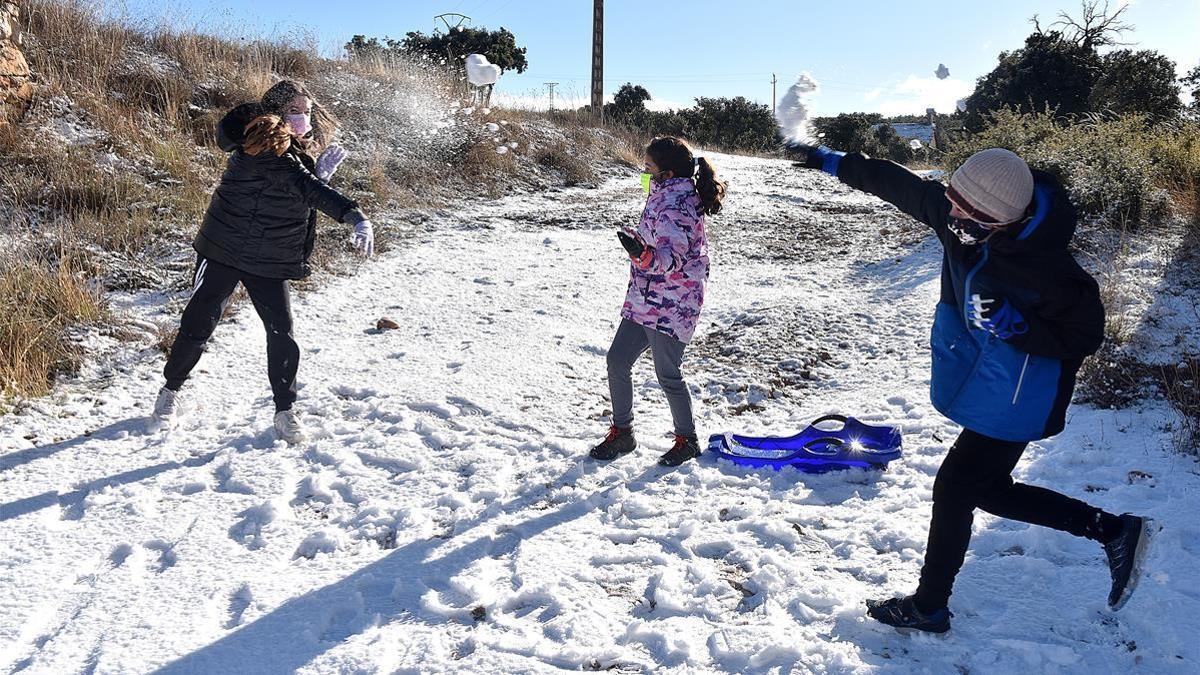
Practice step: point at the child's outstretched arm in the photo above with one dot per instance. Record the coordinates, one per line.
(922, 199)
(314, 192)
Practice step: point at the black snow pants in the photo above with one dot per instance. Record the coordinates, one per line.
(213, 286)
(977, 474)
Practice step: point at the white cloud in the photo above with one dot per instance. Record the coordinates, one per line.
(663, 104)
(915, 94)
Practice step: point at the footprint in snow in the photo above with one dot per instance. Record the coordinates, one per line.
(239, 601)
(467, 407)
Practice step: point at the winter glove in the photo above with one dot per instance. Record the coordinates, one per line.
(632, 244)
(363, 238)
(999, 318)
(800, 152)
(641, 254)
(820, 157)
(328, 162)
(645, 259)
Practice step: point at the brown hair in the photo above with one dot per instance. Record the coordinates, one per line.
(324, 125)
(674, 155)
(267, 132)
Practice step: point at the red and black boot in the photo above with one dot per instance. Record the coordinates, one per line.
(685, 448)
(619, 441)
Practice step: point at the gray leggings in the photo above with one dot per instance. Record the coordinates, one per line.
(632, 340)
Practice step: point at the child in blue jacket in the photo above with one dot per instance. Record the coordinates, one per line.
(1016, 317)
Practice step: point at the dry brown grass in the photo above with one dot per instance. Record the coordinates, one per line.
(574, 169)
(40, 301)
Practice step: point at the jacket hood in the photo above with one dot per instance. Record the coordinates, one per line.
(1052, 225)
(231, 131)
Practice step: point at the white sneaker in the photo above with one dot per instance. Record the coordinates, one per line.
(166, 407)
(288, 427)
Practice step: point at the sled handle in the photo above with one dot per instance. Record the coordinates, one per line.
(829, 418)
(830, 445)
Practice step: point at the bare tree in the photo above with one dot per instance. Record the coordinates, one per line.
(1097, 25)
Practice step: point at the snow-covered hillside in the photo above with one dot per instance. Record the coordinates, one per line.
(444, 516)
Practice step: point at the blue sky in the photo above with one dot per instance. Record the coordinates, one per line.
(867, 56)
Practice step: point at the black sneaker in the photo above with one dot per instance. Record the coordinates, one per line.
(619, 441)
(1125, 556)
(685, 448)
(903, 613)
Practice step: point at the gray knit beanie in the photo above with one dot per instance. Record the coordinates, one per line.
(995, 181)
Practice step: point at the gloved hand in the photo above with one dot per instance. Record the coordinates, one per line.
(641, 254)
(633, 245)
(800, 152)
(818, 157)
(997, 317)
(363, 238)
(328, 162)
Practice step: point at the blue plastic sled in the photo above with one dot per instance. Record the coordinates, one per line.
(814, 450)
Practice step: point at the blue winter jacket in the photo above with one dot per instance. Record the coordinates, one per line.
(1013, 379)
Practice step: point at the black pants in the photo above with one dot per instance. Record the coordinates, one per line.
(214, 285)
(976, 474)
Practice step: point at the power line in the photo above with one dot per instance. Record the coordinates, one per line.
(551, 86)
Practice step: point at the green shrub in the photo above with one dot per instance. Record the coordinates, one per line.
(1120, 171)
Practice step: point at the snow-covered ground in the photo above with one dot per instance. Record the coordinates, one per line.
(444, 515)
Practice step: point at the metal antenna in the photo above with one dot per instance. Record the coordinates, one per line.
(458, 19)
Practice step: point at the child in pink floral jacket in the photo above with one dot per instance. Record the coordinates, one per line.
(668, 273)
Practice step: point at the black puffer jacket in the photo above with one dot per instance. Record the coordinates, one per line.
(263, 214)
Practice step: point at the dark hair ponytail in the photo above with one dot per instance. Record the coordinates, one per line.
(674, 155)
(711, 190)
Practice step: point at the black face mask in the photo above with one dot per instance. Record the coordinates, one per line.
(970, 232)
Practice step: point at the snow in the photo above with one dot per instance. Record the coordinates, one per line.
(444, 516)
(481, 72)
(792, 113)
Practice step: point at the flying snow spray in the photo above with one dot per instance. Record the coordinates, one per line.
(792, 114)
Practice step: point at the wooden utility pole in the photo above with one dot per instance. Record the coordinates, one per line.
(598, 59)
(773, 81)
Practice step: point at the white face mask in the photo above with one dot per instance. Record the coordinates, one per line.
(299, 124)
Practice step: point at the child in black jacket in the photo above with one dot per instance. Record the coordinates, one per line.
(259, 232)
